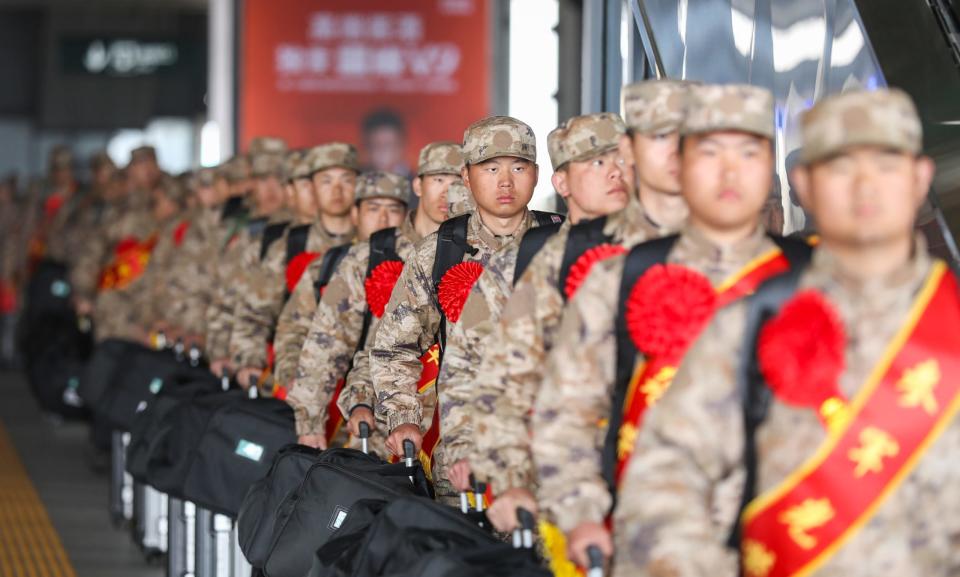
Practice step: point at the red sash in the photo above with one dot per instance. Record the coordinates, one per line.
(910, 398)
(656, 374)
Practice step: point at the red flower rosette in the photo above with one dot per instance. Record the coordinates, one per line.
(180, 232)
(455, 288)
(582, 267)
(800, 352)
(297, 266)
(379, 285)
(667, 308)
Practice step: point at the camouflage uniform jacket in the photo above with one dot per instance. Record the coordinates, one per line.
(96, 245)
(263, 292)
(189, 286)
(688, 460)
(580, 375)
(334, 335)
(511, 371)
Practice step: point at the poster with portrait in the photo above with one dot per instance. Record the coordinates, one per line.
(386, 75)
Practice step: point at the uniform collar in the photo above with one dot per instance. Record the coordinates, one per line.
(734, 254)
(494, 241)
(408, 230)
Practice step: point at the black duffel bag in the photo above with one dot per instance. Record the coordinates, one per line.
(236, 450)
(55, 356)
(416, 537)
(258, 512)
(48, 291)
(151, 427)
(314, 513)
(104, 365)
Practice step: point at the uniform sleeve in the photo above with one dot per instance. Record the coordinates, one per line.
(409, 324)
(330, 345)
(85, 274)
(193, 281)
(258, 304)
(509, 380)
(358, 389)
(674, 513)
(573, 405)
(294, 325)
(220, 314)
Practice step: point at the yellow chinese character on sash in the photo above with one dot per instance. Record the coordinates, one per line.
(875, 446)
(628, 438)
(757, 559)
(917, 384)
(655, 387)
(434, 357)
(805, 517)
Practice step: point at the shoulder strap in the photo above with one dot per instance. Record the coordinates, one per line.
(232, 208)
(755, 395)
(328, 266)
(583, 236)
(297, 238)
(547, 218)
(640, 259)
(451, 247)
(383, 247)
(530, 245)
(271, 233)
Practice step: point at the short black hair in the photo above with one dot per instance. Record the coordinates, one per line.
(383, 118)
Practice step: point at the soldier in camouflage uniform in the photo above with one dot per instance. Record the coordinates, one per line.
(333, 169)
(500, 156)
(334, 338)
(510, 375)
(267, 202)
(134, 238)
(592, 144)
(862, 178)
(726, 172)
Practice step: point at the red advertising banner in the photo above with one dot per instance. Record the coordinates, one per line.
(387, 75)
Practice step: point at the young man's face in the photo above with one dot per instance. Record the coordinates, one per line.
(501, 186)
(335, 190)
(432, 191)
(726, 178)
(375, 214)
(657, 161)
(598, 185)
(304, 199)
(268, 194)
(865, 196)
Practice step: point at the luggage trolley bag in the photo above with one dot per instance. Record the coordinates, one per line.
(315, 512)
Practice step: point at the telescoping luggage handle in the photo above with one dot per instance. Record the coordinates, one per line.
(365, 438)
(595, 555)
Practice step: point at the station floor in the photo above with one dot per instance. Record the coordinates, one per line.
(54, 520)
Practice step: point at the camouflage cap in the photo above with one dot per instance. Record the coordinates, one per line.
(333, 155)
(440, 158)
(61, 157)
(301, 168)
(100, 160)
(377, 184)
(172, 188)
(655, 106)
(886, 118)
(291, 161)
(204, 177)
(268, 144)
(145, 152)
(459, 199)
(496, 136)
(584, 137)
(268, 164)
(716, 107)
(235, 169)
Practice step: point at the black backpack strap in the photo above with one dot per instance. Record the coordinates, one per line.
(638, 261)
(383, 247)
(328, 266)
(754, 393)
(232, 208)
(547, 218)
(452, 246)
(297, 238)
(271, 233)
(583, 236)
(530, 245)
